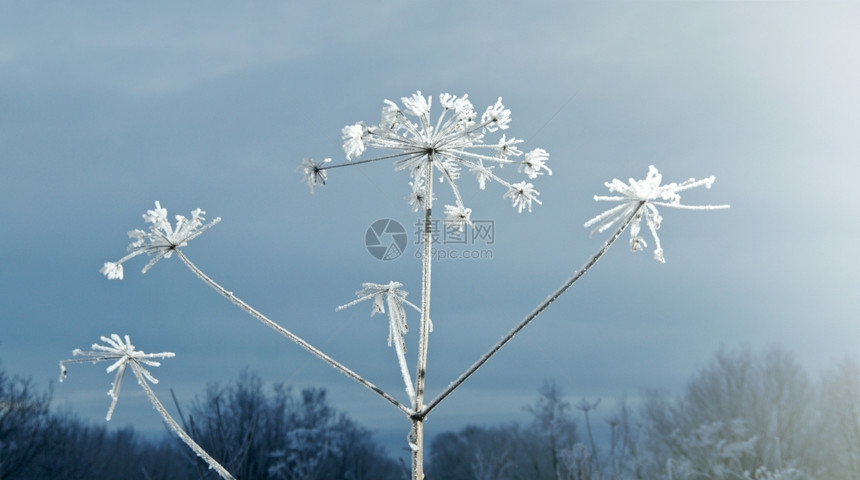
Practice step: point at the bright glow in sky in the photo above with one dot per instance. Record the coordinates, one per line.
(106, 108)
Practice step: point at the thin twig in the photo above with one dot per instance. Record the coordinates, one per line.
(291, 336)
(531, 316)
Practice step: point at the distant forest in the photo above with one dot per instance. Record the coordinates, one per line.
(743, 416)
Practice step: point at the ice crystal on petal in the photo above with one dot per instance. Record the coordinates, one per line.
(648, 193)
(161, 240)
(313, 172)
(122, 353)
(522, 195)
(449, 144)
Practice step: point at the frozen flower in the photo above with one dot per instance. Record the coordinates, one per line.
(390, 294)
(643, 197)
(522, 195)
(161, 240)
(353, 139)
(112, 270)
(458, 216)
(416, 197)
(508, 148)
(313, 173)
(535, 162)
(451, 143)
(496, 117)
(482, 173)
(122, 353)
(382, 295)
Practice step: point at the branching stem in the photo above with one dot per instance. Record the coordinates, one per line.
(291, 336)
(531, 316)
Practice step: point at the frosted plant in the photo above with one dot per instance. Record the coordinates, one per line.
(161, 240)
(313, 172)
(164, 240)
(643, 197)
(390, 294)
(522, 195)
(455, 141)
(424, 148)
(123, 354)
(452, 144)
(458, 217)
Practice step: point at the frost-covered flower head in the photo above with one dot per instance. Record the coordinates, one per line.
(391, 295)
(313, 172)
(122, 353)
(161, 240)
(451, 143)
(386, 294)
(648, 194)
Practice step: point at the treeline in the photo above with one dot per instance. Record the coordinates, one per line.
(256, 434)
(744, 416)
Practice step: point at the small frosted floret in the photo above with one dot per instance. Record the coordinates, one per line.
(535, 162)
(457, 217)
(452, 143)
(122, 353)
(522, 195)
(313, 172)
(161, 239)
(643, 197)
(391, 295)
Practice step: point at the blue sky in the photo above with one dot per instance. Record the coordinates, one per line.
(107, 107)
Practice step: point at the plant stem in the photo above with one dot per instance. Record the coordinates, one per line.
(291, 336)
(417, 435)
(213, 464)
(404, 368)
(531, 316)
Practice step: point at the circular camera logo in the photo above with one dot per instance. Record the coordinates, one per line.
(385, 239)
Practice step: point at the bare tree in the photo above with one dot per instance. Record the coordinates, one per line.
(741, 413)
(23, 424)
(840, 387)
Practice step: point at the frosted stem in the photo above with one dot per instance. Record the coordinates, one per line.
(404, 369)
(417, 435)
(531, 316)
(289, 335)
(213, 464)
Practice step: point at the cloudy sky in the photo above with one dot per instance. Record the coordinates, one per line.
(107, 107)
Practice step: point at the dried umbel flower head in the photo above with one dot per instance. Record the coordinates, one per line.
(452, 143)
(161, 239)
(643, 197)
(122, 353)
